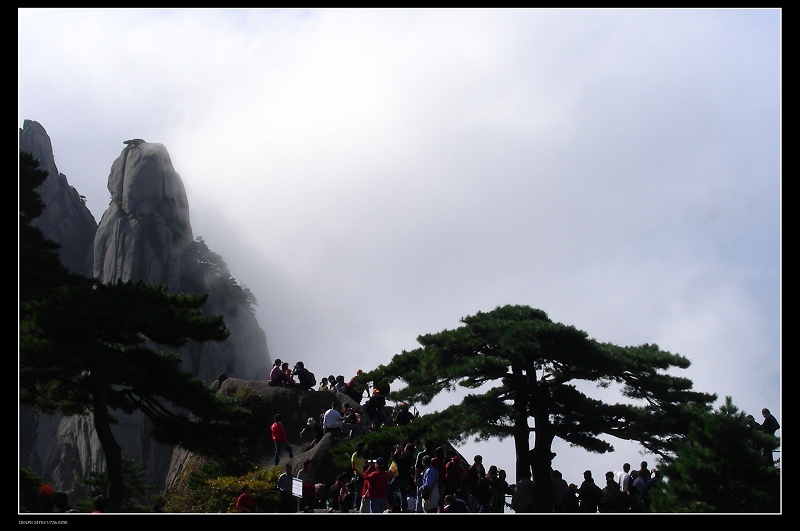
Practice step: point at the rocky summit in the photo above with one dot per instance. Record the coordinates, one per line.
(144, 235)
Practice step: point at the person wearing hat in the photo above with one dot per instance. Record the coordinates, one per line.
(313, 427)
(375, 409)
(355, 387)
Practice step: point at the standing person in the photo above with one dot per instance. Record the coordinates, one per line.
(428, 448)
(623, 477)
(769, 426)
(498, 502)
(334, 491)
(323, 384)
(394, 494)
(484, 490)
(332, 420)
(571, 504)
(588, 493)
(522, 497)
(376, 484)
(276, 374)
(454, 473)
(356, 388)
(286, 504)
(428, 497)
(306, 475)
(639, 483)
(405, 475)
(610, 496)
(476, 472)
(439, 461)
(246, 502)
(643, 469)
(560, 488)
(279, 438)
(651, 485)
(374, 408)
(357, 463)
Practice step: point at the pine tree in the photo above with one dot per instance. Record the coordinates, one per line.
(719, 468)
(99, 349)
(529, 368)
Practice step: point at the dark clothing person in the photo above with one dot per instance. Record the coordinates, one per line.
(588, 494)
(770, 424)
(611, 500)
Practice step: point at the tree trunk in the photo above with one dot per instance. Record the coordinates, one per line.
(111, 449)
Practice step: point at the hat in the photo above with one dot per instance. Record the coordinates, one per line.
(311, 421)
(46, 490)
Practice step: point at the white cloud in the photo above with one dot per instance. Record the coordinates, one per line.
(374, 175)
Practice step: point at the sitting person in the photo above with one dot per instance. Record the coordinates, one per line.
(403, 415)
(352, 423)
(246, 502)
(454, 505)
(313, 428)
(276, 375)
(305, 379)
(340, 386)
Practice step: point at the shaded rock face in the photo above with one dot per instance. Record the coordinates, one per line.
(65, 219)
(144, 235)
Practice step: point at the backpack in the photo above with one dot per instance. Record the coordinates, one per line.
(307, 379)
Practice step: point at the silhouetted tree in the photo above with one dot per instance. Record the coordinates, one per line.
(535, 366)
(719, 468)
(93, 348)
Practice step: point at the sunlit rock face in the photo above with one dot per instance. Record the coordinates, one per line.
(144, 235)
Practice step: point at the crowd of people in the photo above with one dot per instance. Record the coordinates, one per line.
(414, 476)
(427, 478)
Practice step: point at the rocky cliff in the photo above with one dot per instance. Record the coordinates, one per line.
(144, 235)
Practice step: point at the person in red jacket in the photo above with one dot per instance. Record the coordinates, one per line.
(376, 485)
(279, 438)
(246, 502)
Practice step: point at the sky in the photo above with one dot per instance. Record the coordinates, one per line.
(373, 175)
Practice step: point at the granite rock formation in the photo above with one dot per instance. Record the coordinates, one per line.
(144, 235)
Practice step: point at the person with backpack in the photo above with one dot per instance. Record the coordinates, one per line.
(305, 378)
